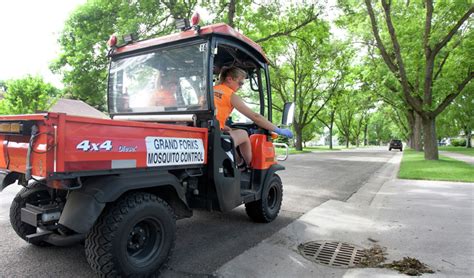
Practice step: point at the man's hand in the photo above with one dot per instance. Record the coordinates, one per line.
(226, 129)
(283, 131)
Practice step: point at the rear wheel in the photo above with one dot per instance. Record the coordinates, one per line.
(35, 194)
(134, 236)
(266, 209)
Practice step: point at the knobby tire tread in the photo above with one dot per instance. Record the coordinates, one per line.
(257, 210)
(99, 239)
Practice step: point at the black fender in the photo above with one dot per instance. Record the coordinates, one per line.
(7, 178)
(83, 206)
(268, 176)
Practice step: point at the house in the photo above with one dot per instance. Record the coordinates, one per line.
(76, 108)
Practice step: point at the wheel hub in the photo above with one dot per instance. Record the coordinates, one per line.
(137, 238)
(144, 241)
(272, 197)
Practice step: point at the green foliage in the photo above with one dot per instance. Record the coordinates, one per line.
(381, 127)
(83, 60)
(413, 166)
(458, 117)
(27, 95)
(458, 142)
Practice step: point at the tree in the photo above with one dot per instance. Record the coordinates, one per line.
(380, 126)
(440, 43)
(328, 116)
(385, 87)
(28, 95)
(83, 59)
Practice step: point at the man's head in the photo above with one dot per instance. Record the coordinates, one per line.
(233, 77)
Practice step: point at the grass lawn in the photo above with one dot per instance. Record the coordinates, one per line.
(414, 166)
(462, 150)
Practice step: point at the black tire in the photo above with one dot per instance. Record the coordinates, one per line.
(134, 236)
(32, 195)
(389, 149)
(266, 209)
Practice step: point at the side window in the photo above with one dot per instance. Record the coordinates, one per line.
(250, 95)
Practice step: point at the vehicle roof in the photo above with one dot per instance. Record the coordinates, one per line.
(214, 29)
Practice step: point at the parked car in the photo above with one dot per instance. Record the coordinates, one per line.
(395, 144)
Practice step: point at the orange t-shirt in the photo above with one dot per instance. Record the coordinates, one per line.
(164, 97)
(224, 107)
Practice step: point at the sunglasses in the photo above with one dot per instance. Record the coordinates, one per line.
(241, 83)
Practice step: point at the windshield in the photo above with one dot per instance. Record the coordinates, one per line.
(163, 80)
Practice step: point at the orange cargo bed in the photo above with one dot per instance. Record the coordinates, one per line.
(70, 144)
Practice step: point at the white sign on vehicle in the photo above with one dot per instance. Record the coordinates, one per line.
(166, 151)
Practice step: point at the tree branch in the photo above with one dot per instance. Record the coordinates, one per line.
(288, 31)
(427, 35)
(380, 44)
(444, 60)
(452, 96)
(453, 31)
(396, 46)
(429, 57)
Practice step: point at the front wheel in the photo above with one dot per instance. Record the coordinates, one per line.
(134, 236)
(266, 209)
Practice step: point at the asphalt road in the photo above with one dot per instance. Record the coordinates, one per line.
(208, 240)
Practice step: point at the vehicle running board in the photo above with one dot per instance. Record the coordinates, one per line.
(248, 195)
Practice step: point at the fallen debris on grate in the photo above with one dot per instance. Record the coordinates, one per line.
(372, 257)
(331, 253)
(344, 255)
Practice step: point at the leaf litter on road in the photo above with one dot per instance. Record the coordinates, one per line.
(375, 256)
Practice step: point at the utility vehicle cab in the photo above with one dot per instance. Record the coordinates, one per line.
(170, 80)
(191, 61)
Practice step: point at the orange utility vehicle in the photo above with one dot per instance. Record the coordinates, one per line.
(121, 183)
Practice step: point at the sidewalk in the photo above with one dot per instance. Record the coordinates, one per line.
(428, 220)
(458, 156)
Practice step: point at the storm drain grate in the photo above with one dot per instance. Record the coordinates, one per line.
(331, 253)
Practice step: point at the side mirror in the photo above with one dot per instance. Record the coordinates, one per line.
(288, 114)
(253, 81)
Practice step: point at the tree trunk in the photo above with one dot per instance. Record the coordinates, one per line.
(411, 125)
(231, 14)
(299, 138)
(429, 138)
(365, 135)
(347, 142)
(330, 138)
(468, 132)
(331, 124)
(417, 132)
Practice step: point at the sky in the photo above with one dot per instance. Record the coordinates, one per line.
(29, 30)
